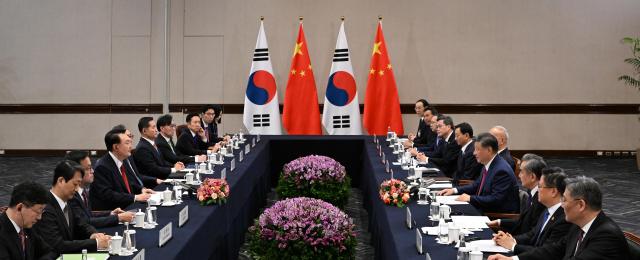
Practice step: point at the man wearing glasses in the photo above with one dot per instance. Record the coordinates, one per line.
(594, 235)
(17, 239)
(165, 143)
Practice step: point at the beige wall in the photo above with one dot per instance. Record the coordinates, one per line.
(454, 52)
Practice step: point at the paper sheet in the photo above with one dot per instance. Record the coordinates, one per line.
(487, 246)
(470, 222)
(440, 186)
(450, 200)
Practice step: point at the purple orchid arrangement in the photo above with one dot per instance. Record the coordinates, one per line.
(314, 168)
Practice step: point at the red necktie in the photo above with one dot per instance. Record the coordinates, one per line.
(484, 176)
(124, 178)
(206, 132)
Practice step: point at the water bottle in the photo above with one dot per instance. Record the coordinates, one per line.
(84, 254)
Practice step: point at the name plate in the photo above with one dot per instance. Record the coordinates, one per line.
(386, 166)
(233, 165)
(240, 156)
(391, 171)
(165, 234)
(247, 148)
(409, 220)
(383, 159)
(223, 174)
(140, 255)
(258, 138)
(418, 241)
(183, 216)
(253, 142)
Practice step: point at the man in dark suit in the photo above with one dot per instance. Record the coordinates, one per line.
(551, 226)
(422, 135)
(531, 169)
(194, 141)
(210, 118)
(446, 156)
(594, 235)
(81, 203)
(17, 238)
(496, 190)
(503, 138)
(164, 142)
(117, 184)
(147, 155)
(467, 167)
(64, 231)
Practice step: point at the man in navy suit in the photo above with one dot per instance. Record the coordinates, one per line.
(193, 141)
(594, 235)
(496, 190)
(424, 136)
(445, 157)
(81, 204)
(503, 138)
(468, 167)
(147, 155)
(117, 184)
(551, 225)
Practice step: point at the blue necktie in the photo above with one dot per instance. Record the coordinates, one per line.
(545, 216)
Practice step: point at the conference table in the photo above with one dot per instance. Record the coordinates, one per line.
(218, 231)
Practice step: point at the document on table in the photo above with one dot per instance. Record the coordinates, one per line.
(470, 222)
(450, 200)
(432, 231)
(440, 186)
(487, 245)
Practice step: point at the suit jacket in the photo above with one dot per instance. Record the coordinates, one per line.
(528, 219)
(424, 135)
(63, 238)
(604, 240)
(446, 157)
(187, 146)
(468, 168)
(108, 190)
(97, 219)
(506, 155)
(499, 192)
(169, 154)
(11, 246)
(212, 129)
(555, 230)
(149, 160)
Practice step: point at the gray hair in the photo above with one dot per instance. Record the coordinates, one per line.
(504, 130)
(587, 189)
(534, 164)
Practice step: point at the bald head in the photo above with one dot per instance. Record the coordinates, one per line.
(501, 134)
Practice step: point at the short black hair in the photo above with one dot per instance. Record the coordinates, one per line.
(28, 193)
(488, 140)
(119, 127)
(144, 122)
(205, 108)
(112, 137)
(447, 120)
(189, 116)
(164, 120)
(554, 177)
(433, 110)
(66, 169)
(425, 104)
(465, 128)
(76, 156)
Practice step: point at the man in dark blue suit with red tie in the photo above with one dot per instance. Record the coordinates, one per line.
(496, 190)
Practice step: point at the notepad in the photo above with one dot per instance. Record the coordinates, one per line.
(440, 186)
(90, 256)
(487, 245)
(470, 222)
(450, 200)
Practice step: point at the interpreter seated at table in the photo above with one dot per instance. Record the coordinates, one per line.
(81, 202)
(467, 167)
(18, 240)
(551, 225)
(503, 138)
(594, 235)
(166, 147)
(446, 156)
(62, 228)
(531, 169)
(116, 184)
(423, 136)
(193, 141)
(496, 190)
(147, 155)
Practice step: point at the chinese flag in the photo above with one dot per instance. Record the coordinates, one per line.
(381, 103)
(300, 114)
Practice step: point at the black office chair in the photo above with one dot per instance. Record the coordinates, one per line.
(3, 209)
(634, 244)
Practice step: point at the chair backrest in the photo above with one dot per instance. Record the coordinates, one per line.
(517, 162)
(634, 244)
(524, 198)
(180, 129)
(464, 182)
(3, 209)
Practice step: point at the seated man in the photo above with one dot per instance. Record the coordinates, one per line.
(446, 156)
(116, 183)
(468, 167)
(165, 144)
(551, 225)
(594, 235)
(194, 141)
(64, 231)
(423, 135)
(147, 155)
(531, 168)
(81, 203)
(17, 239)
(212, 116)
(496, 190)
(503, 138)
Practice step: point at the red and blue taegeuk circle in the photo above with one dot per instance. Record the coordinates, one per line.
(341, 88)
(261, 87)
